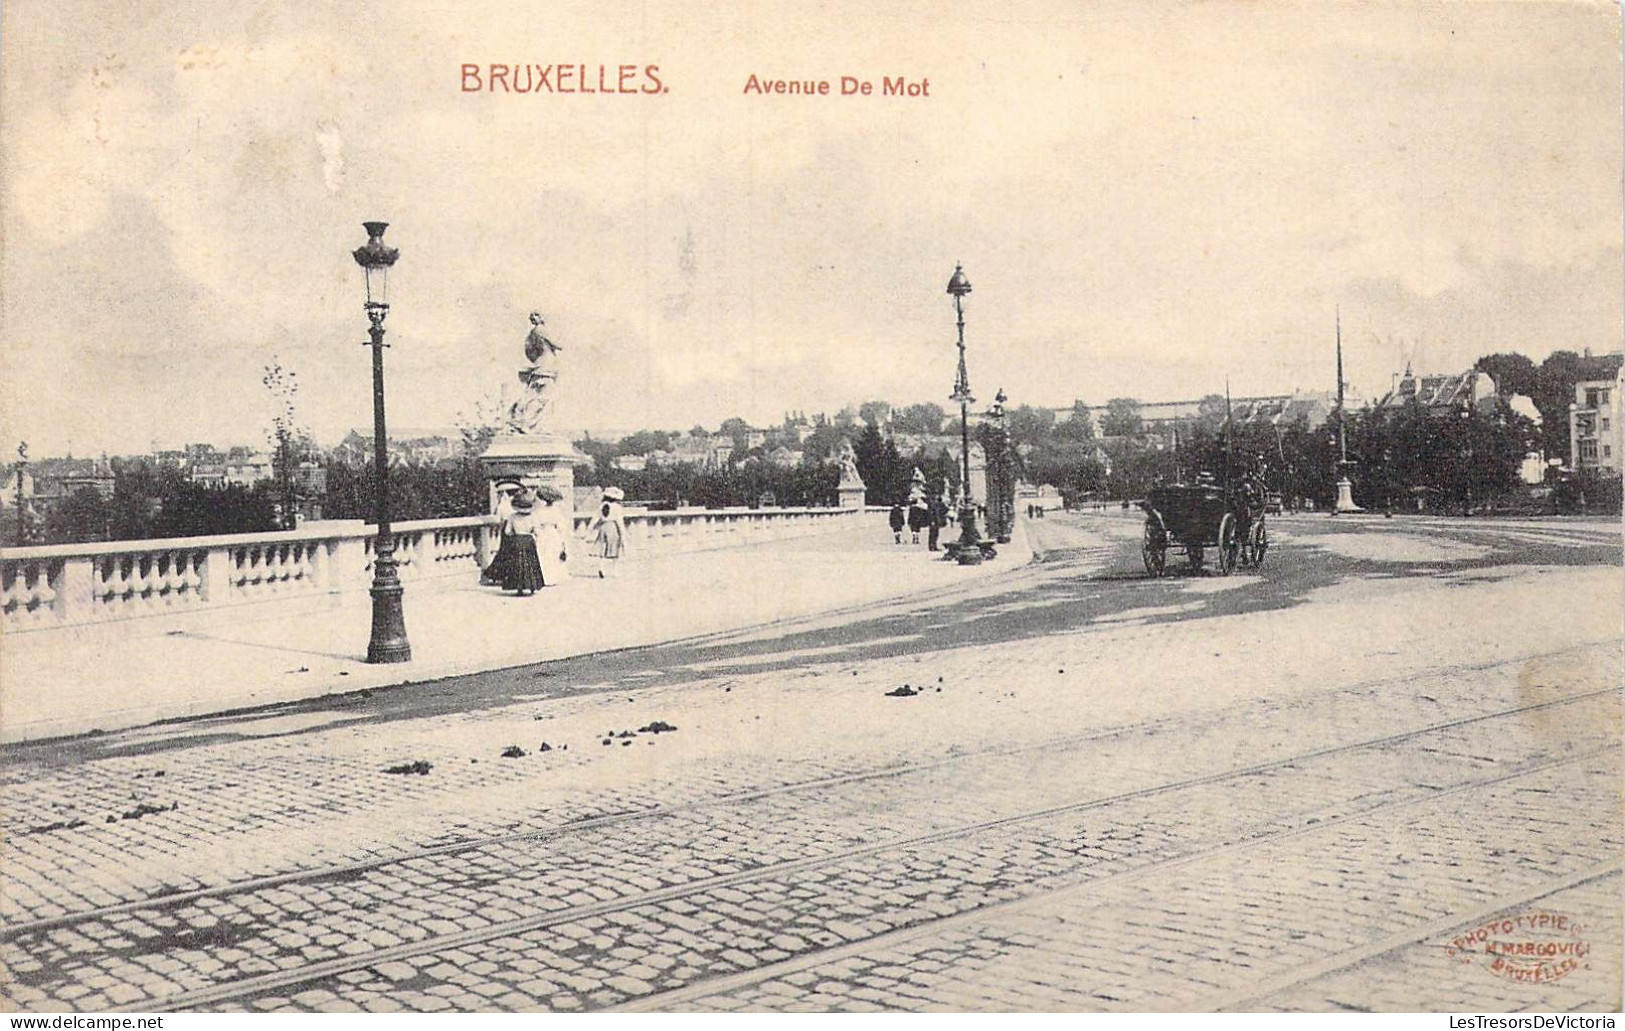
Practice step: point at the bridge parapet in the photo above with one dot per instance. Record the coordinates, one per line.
(71, 585)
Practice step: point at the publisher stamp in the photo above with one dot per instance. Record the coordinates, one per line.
(1537, 947)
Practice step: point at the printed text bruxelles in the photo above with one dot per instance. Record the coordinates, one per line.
(622, 79)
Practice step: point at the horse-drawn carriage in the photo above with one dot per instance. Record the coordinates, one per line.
(1201, 516)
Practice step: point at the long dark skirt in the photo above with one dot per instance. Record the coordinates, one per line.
(522, 571)
(917, 519)
(492, 575)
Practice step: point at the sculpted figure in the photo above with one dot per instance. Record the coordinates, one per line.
(540, 378)
(849, 466)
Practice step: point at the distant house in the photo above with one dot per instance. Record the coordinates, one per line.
(928, 444)
(242, 471)
(1596, 431)
(57, 478)
(784, 458)
(709, 452)
(1444, 395)
(1160, 418)
(425, 446)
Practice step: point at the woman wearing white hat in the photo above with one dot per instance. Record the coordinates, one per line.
(609, 532)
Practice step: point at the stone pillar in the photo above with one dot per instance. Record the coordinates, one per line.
(75, 600)
(216, 576)
(542, 458)
(852, 495)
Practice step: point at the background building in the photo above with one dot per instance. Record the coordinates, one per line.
(1596, 436)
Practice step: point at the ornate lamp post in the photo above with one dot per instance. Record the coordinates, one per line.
(1001, 507)
(968, 552)
(388, 643)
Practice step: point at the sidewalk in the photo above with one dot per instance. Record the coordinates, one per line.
(54, 683)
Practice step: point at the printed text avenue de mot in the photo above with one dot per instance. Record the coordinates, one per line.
(845, 86)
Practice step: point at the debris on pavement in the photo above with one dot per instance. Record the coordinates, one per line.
(902, 692)
(513, 752)
(657, 727)
(418, 767)
(60, 825)
(147, 810)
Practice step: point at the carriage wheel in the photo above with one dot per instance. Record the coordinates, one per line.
(1261, 543)
(1229, 544)
(1154, 548)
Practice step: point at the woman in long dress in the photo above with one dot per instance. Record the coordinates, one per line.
(491, 575)
(521, 571)
(550, 549)
(609, 533)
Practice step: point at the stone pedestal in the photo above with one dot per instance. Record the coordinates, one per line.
(543, 459)
(852, 495)
(1345, 497)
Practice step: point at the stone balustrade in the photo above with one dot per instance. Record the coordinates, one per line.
(78, 584)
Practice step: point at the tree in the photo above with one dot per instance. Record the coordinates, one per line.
(81, 516)
(874, 412)
(925, 419)
(1210, 412)
(1554, 392)
(735, 429)
(1029, 426)
(1122, 418)
(699, 431)
(824, 442)
(290, 445)
(1513, 373)
(869, 453)
(846, 417)
(1079, 426)
(645, 441)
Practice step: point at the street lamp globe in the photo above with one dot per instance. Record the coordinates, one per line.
(375, 259)
(959, 283)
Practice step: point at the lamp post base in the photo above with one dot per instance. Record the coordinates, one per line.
(388, 643)
(1345, 498)
(968, 549)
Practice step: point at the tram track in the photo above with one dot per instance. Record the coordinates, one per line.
(349, 869)
(1047, 897)
(243, 988)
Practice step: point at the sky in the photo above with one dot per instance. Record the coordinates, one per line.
(1149, 199)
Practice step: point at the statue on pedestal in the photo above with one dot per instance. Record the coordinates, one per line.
(849, 466)
(540, 377)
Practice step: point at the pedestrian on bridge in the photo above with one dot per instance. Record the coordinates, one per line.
(491, 575)
(919, 513)
(609, 532)
(521, 569)
(938, 514)
(897, 522)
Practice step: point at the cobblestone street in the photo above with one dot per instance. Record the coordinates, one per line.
(1066, 786)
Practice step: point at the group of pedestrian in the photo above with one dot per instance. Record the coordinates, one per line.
(533, 553)
(923, 513)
